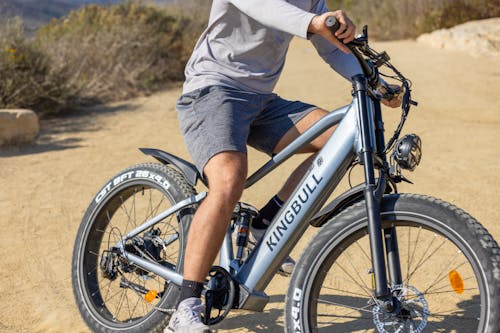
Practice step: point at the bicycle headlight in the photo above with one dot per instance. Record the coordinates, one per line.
(408, 151)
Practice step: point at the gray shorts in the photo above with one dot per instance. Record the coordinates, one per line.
(216, 119)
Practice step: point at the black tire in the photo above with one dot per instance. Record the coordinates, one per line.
(127, 200)
(450, 264)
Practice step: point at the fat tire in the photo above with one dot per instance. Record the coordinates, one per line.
(177, 190)
(449, 218)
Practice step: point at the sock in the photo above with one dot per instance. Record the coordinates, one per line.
(267, 213)
(190, 289)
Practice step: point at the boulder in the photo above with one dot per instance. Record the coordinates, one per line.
(18, 127)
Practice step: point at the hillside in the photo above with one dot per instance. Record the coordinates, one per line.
(37, 12)
(34, 13)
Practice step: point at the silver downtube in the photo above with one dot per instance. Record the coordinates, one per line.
(326, 171)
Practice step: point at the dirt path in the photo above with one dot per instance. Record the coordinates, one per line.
(46, 187)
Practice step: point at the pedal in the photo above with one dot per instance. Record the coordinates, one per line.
(283, 273)
(287, 266)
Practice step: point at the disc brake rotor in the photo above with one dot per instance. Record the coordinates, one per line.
(410, 314)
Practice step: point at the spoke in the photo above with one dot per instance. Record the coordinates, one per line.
(170, 229)
(141, 297)
(158, 206)
(345, 291)
(94, 292)
(128, 307)
(94, 269)
(135, 306)
(444, 274)
(425, 257)
(351, 262)
(439, 290)
(408, 255)
(124, 209)
(120, 304)
(363, 251)
(323, 301)
(107, 291)
(133, 207)
(347, 314)
(113, 296)
(110, 225)
(354, 281)
(410, 261)
(150, 207)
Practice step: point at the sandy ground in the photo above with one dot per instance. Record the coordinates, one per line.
(46, 187)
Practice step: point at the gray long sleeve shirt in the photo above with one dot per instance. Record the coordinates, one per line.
(246, 41)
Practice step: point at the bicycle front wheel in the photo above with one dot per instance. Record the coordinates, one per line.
(449, 262)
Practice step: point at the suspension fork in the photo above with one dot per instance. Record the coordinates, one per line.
(373, 194)
(390, 235)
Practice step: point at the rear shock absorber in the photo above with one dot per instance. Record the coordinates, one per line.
(246, 213)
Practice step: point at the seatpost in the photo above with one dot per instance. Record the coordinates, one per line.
(372, 202)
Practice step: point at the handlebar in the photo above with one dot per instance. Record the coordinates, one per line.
(370, 60)
(334, 25)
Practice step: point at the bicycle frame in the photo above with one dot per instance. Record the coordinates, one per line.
(359, 133)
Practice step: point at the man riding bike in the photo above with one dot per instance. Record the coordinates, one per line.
(228, 102)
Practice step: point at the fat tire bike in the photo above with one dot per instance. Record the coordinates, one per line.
(381, 261)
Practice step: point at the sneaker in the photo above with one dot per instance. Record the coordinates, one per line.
(287, 265)
(187, 318)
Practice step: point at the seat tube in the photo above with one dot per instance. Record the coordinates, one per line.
(372, 202)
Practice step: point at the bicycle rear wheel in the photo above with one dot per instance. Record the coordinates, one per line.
(112, 294)
(450, 266)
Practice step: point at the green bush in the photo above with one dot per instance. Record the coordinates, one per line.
(96, 54)
(395, 19)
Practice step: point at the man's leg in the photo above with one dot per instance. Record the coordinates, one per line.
(300, 127)
(267, 213)
(226, 173)
(310, 119)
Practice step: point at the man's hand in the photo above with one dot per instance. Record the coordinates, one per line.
(342, 36)
(392, 100)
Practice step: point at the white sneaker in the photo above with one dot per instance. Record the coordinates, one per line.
(287, 265)
(187, 318)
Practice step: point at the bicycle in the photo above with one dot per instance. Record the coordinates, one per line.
(431, 267)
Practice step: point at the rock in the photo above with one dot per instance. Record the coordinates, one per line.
(478, 38)
(18, 127)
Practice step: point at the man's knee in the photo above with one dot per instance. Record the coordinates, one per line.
(226, 173)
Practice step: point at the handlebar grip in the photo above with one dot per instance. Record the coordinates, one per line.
(332, 24)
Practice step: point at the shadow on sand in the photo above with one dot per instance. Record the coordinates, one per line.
(267, 321)
(462, 319)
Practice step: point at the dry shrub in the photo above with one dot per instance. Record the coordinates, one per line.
(96, 54)
(119, 51)
(27, 78)
(395, 19)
